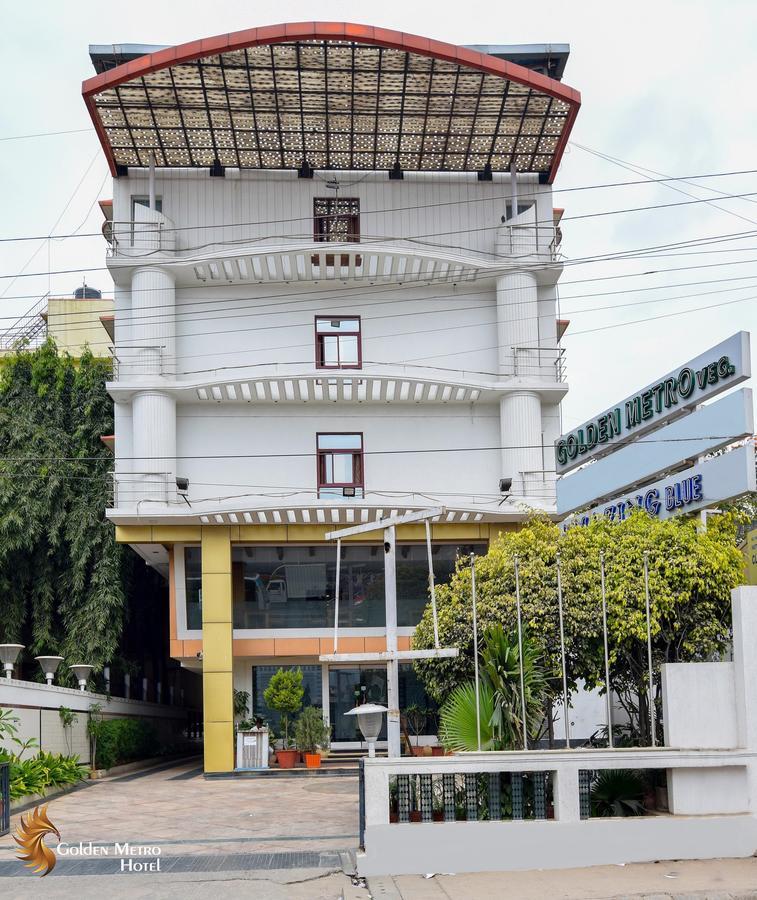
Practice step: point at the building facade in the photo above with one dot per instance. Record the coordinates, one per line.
(335, 261)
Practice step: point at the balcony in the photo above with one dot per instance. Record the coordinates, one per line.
(541, 370)
(281, 259)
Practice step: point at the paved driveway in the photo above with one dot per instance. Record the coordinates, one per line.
(256, 826)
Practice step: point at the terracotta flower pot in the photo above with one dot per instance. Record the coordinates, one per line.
(287, 758)
(437, 751)
(415, 815)
(312, 760)
(417, 751)
(438, 815)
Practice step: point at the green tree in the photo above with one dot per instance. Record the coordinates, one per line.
(284, 694)
(691, 573)
(63, 578)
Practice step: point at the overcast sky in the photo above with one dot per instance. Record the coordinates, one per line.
(668, 86)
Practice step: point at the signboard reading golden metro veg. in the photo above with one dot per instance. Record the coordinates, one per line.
(712, 372)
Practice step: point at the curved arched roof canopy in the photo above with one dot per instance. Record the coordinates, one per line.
(334, 96)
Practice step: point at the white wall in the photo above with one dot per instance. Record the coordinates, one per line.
(700, 704)
(37, 708)
(220, 430)
(441, 325)
(250, 205)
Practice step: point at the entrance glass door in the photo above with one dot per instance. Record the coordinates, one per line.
(348, 688)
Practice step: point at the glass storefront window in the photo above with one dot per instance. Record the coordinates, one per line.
(363, 684)
(293, 587)
(261, 677)
(193, 586)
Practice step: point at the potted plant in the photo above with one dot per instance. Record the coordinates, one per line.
(241, 705)
(284, 695)
(415, 716)
(311, 733)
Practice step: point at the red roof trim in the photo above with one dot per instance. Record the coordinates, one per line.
(362, 34)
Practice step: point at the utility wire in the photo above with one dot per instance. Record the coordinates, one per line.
(458, 202)
(366, 243)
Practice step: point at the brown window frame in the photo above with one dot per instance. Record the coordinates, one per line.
(319, 355)
(358, 463)
(320, 235)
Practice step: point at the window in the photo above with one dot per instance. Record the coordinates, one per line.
(336, 219)
(193, 586)
(143, 200)
(337, 343)
(340, 465)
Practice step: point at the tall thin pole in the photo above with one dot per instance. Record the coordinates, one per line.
(475, 649)
(431, 585)
(562, 655)
(151, 183)
(393, 735)
(608, 692)
(649, 651)
(520, 658)
(336, 591)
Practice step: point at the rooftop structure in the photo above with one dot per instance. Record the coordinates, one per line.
(327, 95)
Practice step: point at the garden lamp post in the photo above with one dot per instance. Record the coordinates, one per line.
(81, 672)
(8, 655)
(369, 718)
(49, 665)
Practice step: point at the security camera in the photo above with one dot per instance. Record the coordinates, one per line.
(199, 654)
(505, 484)
(182, 484)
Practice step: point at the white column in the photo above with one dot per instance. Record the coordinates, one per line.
(518, 340)
(151, 360)
(744, 607)
(325, 704)
(153, 324)
(517, 323)
(392, 666)
(154, 462)
(521, 439)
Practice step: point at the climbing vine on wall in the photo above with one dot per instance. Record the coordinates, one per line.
(62, 575)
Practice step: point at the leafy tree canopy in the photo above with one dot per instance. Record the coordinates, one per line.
(691, 574)
(62, 575)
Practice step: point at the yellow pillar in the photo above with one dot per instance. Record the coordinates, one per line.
(217, 675)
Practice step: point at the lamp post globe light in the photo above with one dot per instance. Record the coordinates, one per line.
(369, 718)
(49, 665)
(8, 655)
(82, 673)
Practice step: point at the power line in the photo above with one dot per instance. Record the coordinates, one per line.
(493, 273)
(242, 314)
(337, 247)
(458, 202)
(39, 134)
(393, 452)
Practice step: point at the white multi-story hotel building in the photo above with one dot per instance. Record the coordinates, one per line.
(335, 258)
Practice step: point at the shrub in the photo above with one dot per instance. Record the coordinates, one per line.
(284, 694)
(35, 774)
(310, 731)
(125, 740)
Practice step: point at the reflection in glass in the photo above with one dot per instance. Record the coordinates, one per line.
(293, 587)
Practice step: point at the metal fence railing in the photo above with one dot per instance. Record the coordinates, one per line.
(5, 798)
(471, 796)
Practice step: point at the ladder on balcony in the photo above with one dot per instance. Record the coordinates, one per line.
(28, 331)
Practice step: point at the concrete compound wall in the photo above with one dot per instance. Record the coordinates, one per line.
(37, 708)
(710, 716)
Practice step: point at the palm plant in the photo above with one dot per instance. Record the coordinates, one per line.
(500, 704)
(457, 719)
(500, 670)
(617, 792)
